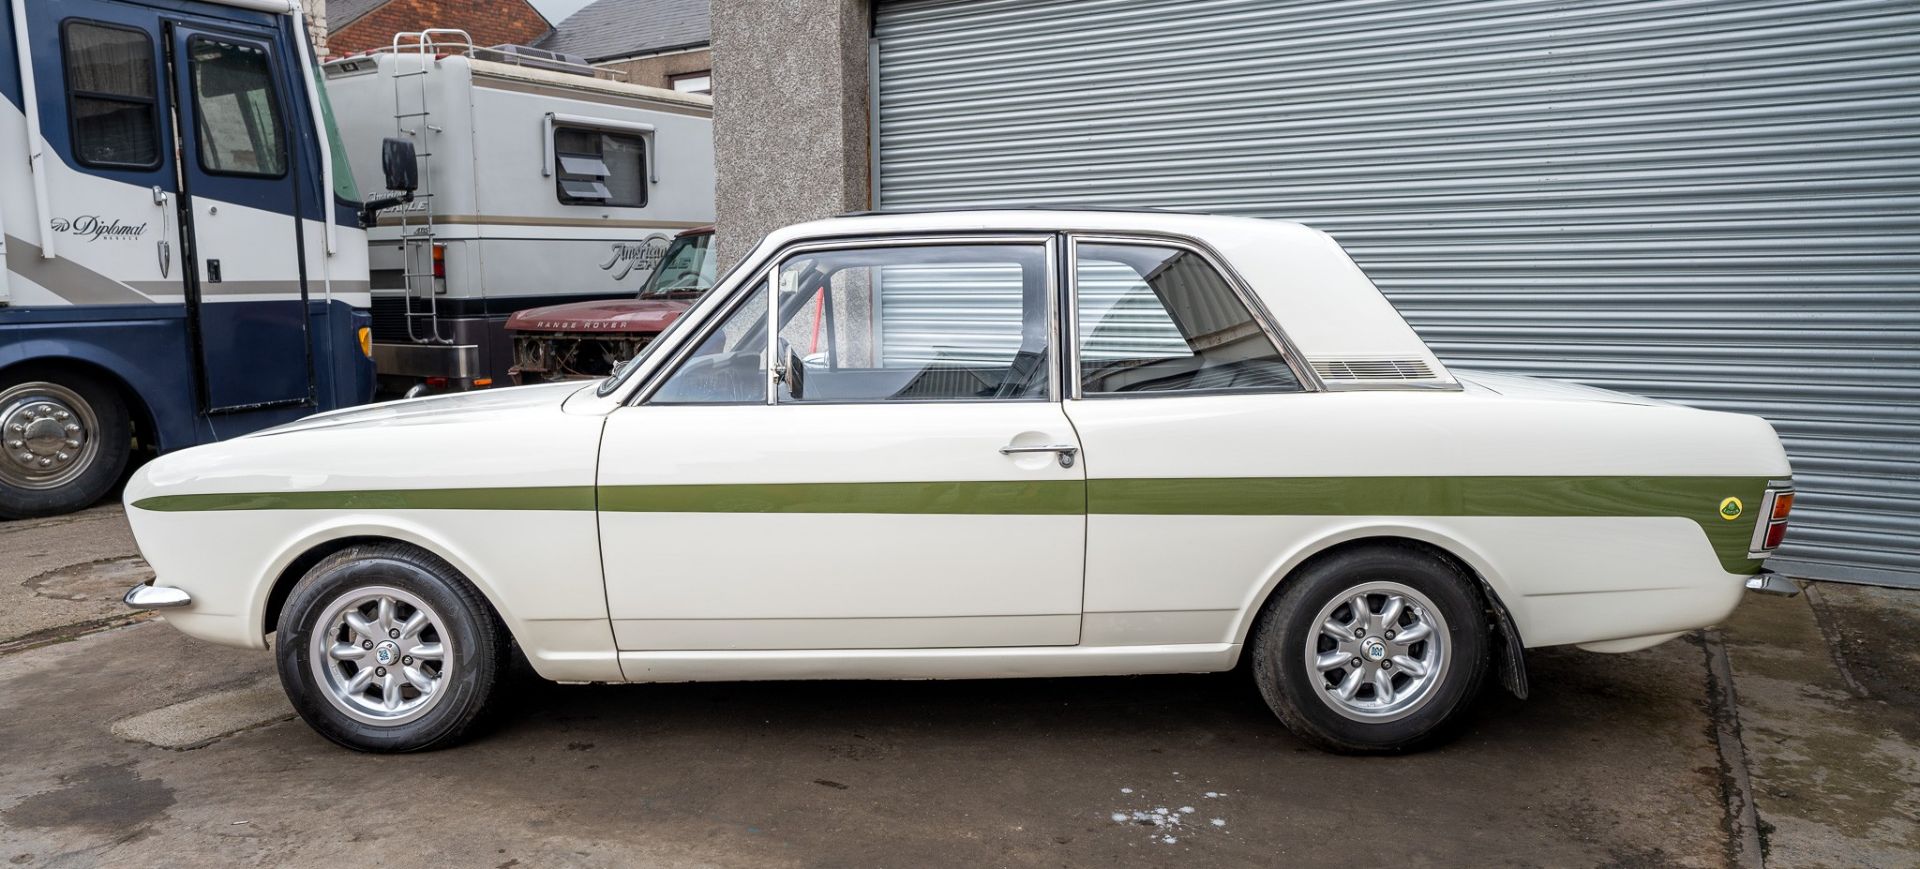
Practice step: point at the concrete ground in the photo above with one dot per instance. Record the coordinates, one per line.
(1787, 737)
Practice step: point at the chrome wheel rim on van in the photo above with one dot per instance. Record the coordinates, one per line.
(381, 655)
(1378, 652)
(48, 433)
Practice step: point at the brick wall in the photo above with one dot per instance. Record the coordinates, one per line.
(491, 22)
(659, 70)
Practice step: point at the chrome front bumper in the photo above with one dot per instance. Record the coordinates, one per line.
(1768, 582)
(154, 597)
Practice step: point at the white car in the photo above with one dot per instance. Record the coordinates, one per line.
(978, 444)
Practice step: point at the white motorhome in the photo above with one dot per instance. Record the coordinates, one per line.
(181, 258)
(540, 183)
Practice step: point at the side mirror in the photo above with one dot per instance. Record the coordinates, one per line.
(403, 174)
(402, 167)
(791, 371)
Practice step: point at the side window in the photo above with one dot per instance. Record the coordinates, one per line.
(915, 323)
(600, 168)
(1161, 319)
(111, 95)
(729, 367)
(235, 113)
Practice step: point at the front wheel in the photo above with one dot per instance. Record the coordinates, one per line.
(1373, 651)
(386, 648)
(66, 437)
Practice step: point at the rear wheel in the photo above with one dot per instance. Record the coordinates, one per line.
(386, 648)
(64, 441)
(1373, 651)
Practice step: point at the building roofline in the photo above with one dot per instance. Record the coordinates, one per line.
(653, 52)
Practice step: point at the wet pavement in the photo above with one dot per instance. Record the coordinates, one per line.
(134, 745)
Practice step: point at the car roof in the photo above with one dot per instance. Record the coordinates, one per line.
(1200, 226)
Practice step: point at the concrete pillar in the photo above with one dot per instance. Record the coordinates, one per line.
(790, 115)
(316, 13)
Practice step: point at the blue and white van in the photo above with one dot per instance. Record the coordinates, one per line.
(182, 247)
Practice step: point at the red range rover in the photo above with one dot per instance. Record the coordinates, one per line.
(590, 339)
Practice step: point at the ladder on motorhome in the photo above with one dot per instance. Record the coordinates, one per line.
(414, 57)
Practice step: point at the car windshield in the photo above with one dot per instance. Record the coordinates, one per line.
(686, 267)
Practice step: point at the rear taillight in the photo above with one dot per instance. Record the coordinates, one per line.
(440, 261)
(1772, 527)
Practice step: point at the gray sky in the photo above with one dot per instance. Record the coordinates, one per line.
(558, 10)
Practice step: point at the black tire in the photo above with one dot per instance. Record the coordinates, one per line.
(109, 443)
(480, 655)
(1299, 694)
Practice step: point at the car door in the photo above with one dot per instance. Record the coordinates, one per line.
(886, 483)
(239, 179)
(1178, 389)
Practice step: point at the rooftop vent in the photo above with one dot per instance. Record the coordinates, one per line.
(538, 58)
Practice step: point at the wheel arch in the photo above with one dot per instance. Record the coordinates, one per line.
(1493, 589)
(309, 550)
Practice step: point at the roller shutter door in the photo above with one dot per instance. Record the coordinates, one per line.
(1708, 202)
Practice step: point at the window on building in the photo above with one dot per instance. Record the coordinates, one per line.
(693, 82)
(236, 116)
(1161, 319)
(600, 168)
(111, 95)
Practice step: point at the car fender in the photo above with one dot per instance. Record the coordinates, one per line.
(1498, 589)
(391, 526)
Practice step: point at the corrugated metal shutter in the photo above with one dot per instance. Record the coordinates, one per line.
(1709, 202)
(956, 313)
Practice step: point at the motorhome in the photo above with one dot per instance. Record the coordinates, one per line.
(542, 182)
(182, 254)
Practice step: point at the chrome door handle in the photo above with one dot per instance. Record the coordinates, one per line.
(1065, 451)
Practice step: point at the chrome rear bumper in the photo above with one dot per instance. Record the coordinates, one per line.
(154, 597)
(1768, 582)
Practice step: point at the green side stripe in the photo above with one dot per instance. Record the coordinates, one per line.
(1030, 498)
(1695, 498)
(527, 498)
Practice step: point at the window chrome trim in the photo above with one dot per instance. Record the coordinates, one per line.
(1309, 380)
(1046, 242)
(727, 299)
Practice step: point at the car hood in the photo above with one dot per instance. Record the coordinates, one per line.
(1521, 386)
(645, 316)
(436, 408)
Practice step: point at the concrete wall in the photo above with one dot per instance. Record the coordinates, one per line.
(658, 70)
(790, 118)
(316, 14)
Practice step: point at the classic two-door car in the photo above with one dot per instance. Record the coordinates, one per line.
(977, 444)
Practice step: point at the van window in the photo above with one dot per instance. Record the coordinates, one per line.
(236, 115)
(600, 168)
(111, 95)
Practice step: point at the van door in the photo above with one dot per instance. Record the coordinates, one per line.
(246, 293)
